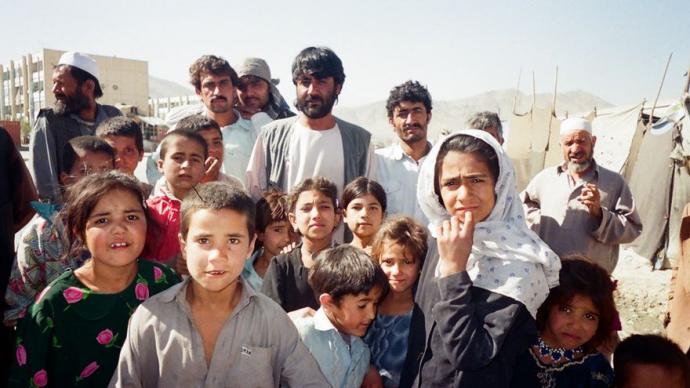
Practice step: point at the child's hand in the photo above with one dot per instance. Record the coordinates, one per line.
(455, 244)
(212, 169)
(372, 379)
(304, 312)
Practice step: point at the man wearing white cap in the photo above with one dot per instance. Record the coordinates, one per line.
(76, 113)
(579, 207)
(257, 91)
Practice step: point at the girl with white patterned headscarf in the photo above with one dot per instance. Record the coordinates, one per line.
(485, 275)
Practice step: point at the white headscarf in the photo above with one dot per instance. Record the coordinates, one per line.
(507, 257)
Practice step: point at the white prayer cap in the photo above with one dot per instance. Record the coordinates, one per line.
(575, 124)
(81, 61)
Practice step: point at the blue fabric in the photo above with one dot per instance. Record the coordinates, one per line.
(387, 340)
(249, 274)
(343, 365)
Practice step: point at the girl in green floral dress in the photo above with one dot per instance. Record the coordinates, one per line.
(72, 334)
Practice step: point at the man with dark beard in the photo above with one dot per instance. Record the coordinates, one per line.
(581, 208)
(257, 91)
(397, 166)
(76, 113)
(313, 143)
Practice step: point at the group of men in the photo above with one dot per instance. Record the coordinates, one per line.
(578, 207)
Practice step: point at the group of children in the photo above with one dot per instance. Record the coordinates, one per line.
(268, 297)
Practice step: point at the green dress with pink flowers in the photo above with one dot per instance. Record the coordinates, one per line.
(71, 336)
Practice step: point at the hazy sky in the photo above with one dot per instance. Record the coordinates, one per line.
(614, 49)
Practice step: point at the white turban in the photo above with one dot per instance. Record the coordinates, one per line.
(575, 124)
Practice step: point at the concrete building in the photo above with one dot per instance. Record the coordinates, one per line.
(159, 107)
(26, 84)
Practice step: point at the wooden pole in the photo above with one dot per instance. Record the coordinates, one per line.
(517, 91)
(651, 115)
(534, 92)
(555, 90)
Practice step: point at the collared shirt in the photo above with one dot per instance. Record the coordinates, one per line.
(257, 346)
(397, 172)
(343, 364)
(238, 142)
(554, 211)
(249, 274)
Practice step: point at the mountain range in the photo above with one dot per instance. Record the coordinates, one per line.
(447, 115)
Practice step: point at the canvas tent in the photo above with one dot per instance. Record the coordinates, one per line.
(652, 159)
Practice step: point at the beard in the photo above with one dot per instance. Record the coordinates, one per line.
(412, 137)
(577, 168)
(320, 110)
(71, 104)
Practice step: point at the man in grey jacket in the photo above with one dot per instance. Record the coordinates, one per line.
(76, 113)
(313, 143)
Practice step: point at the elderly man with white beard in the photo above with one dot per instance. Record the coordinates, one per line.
(580, 208)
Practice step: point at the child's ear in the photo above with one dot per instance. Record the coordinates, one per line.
(293, 222)
(65, 179)
(326, 300)
(251, 244)
(159, 163)
(183, 245)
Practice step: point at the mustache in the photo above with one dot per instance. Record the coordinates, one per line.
(410, 126)
(313, 99)
(219, 98)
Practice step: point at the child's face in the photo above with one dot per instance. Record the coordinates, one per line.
(354, 313)
(571, 325)
(275, 237)
(400, 268)
(214, 141)
(115, 231)
(89, 163)
(216, 247)
(314, 216)
(127, 155)
(652, 375)
(183, 166)
(363, 216)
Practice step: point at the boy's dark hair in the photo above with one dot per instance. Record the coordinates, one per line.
(403, 231)
(216, 196)
(82, 76)
(213, 65)
(318, 62)
(346, 270)
(77, 146)
(363, 186)
(411, 91)
(122, 126)
(581, 277)
(271, 207)
(198, 122)
(649, 349)
(191, 135)
(84, 195)
(319, 184)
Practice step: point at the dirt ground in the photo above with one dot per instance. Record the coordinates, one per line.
(641, 296)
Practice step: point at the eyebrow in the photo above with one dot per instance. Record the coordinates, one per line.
(470, 175)
(204, 234)
(101, 214)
